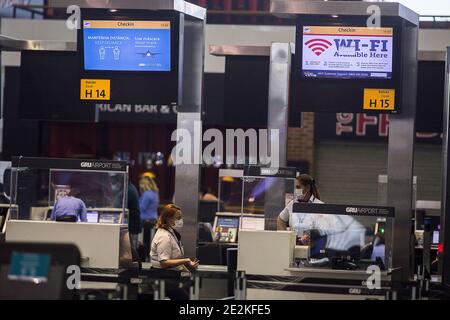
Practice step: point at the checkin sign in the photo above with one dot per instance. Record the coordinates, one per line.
(347, 52)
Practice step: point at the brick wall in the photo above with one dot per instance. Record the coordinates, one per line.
(301, 142)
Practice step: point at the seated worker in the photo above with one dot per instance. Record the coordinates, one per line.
(305, 191)
(167, 251)
(69, 208)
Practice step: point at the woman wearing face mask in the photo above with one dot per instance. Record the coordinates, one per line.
(305, 191)
(167, 250)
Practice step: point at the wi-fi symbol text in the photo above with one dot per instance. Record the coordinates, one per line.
(318, 46)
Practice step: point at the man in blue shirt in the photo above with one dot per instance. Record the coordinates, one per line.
(69, 206)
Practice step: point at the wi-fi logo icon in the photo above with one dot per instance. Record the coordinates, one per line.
(318, 46)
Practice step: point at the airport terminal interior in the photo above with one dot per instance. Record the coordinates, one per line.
(224, 150)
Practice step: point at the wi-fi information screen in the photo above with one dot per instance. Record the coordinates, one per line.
(347, 52)
(111, 45)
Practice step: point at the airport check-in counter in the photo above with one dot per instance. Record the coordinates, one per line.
(5, 210)
(330, 253)
(38, 187)
(244, 197)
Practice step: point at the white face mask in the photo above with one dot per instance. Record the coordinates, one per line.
(299, 193)
(178, 224)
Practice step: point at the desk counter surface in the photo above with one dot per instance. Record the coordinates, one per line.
(337, 274)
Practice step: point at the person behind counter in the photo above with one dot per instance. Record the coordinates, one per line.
(207, 195)
(69, 208)
(306, 190)
(167, 250)
(148, 204)
(134, 218)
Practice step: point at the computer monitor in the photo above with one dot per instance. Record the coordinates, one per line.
(129, 45)
(226, 228)
(92, 217)
(30, 271)
(113, 218)
(346, 52)
(436, 237)
(207, 211)
(253, 223)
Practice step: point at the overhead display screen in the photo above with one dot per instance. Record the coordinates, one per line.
(111, 45)
(347, 52)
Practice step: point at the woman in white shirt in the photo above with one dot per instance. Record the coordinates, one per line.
(167, 251)
(342, 231)
(305, 191)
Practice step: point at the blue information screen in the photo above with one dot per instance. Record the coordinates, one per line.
(30, 267)
(127, 45)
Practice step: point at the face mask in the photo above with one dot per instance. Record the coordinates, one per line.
(178, 224)
(298, 193)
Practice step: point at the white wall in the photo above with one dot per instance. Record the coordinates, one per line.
(242, 35)
(33, 30)
(427, 8)
(434, 39)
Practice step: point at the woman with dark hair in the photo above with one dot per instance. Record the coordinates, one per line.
(338, 233)
(306, 190)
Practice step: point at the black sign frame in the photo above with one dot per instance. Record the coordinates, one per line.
(69, 164)
(343, 95)
(149, 87)
(344, 210)
(259, 171)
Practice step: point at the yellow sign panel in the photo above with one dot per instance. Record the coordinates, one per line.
(95, 89)
(379, 99)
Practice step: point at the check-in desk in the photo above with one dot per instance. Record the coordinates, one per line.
(99, 244)
(4, 217)
(206, 283)
(267, 257)
(316, 284)
(39, 185)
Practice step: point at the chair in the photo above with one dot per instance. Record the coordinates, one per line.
(72, 219)
(207, 211)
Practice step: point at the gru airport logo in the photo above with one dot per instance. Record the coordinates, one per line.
(96, 165)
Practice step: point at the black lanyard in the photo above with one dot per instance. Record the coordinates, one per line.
(177, 241)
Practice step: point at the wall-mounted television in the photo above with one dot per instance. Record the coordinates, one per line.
(347, 52)
(342, 65)
(120, 45)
